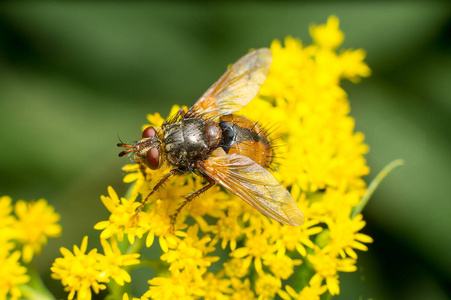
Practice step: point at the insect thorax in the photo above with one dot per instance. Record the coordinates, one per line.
(185, 142)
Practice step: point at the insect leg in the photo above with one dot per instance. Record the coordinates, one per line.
(155, 188)
(190, 197)
(181, 112)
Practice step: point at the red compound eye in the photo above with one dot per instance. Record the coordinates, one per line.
(149, 132)
(153, 158)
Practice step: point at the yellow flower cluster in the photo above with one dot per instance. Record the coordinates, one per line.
(80, 272)
(21, 237)
(220, 247)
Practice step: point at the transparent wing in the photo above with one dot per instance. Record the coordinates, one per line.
(239, 85)
(255, 185)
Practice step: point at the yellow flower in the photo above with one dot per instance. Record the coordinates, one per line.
(216, 287)
(241, 290)
(134, 176)
(311, 111)
(344, 236)
(212, 203)
(5, 211)
(190, 254)
(267, 286)
(352, 65)
(311, 292)
(120, 220)
(281, 265)
(179, 286)
(28, 231)
(12, 274)
(337, 202)
(319, 159)
(327, 35)
(291, 238)
(228, 228)
(327, 265)
(7, 230)
(36, 221)
(80, 271)
(156, 120)
(158, 220)
(237, 267)
(126, 297)
(257, 246)
(114, 260)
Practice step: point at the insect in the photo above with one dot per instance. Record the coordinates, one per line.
(210, 141)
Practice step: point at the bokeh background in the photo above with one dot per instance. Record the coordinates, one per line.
(75, 76)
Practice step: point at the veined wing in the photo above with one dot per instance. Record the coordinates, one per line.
(239, 85)
(254, 184)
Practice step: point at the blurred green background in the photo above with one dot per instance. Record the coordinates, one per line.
(75, 76)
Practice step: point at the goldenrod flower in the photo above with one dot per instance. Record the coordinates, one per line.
(327, 266)
(7, 229)
(80, 271)
(241, 290)
(311, 292)
(114, 260)
(322, 167)
(257, 247)
(126, 297)
(119, 222)
(191, 254)
(227, 229)
(344, 236)
(27, 231)
(12, 274)
(237, 267)
(327, 35)
(267, 286)
(180, 285)
(217, 287)
(281, 265)
(36, 221)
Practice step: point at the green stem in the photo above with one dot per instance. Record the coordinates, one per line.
(301, 278)
(374, 184)
(158, 265)
(137, 245)
(128, 194)
(35, 288)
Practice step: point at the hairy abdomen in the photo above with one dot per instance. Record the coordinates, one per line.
(241, 136)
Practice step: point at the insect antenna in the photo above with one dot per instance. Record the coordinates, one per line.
(118, 137)
(124, 145)
(125, 152)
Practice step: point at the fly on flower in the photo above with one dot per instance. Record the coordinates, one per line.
(210, 141)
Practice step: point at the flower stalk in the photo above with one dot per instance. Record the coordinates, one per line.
(374, 185)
